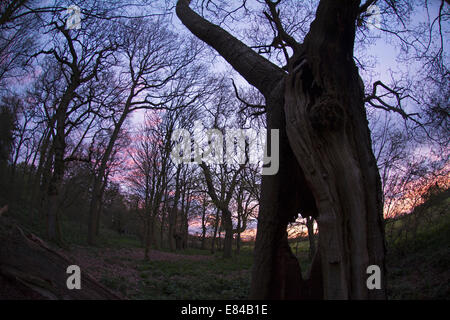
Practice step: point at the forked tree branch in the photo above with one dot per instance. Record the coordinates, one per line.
(377, 101)
(247, 104)
(257, 70)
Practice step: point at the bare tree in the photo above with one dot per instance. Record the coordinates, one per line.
(80, 59)
(327, 167)
(150, 64)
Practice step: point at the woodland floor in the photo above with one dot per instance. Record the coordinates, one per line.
(418, 268)
(192, 275)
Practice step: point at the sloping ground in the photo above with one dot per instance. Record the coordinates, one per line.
(11, 289)
(419, 268)
(32, 269)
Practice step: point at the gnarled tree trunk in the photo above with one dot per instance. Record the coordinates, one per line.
(326, 166)
(327, 129)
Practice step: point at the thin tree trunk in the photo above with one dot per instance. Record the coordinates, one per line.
(219, 241)
(216, 227)
(163, 220)
(59, 147)
(149, 236)
(203, 224)
(36, 192)
(46, 177)
(174, 210)
(185, 231)
(238, 243)
(98, 185)
(311, 236)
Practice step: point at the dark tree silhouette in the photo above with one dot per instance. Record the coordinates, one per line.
(327, 168)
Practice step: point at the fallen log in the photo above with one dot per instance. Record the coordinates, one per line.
(32, 269)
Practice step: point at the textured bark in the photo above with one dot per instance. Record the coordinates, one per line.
(38, 271)
(328, 132)
(281, 197)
